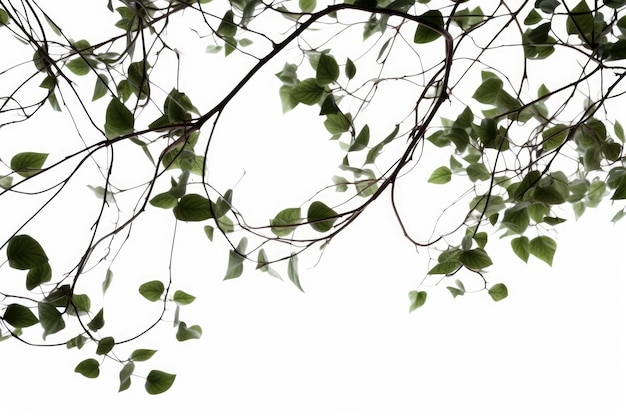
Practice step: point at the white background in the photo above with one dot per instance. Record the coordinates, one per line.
(348, 346)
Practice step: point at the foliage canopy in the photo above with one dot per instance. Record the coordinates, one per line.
(468, 85)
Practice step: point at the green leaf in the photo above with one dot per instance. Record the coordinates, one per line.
(478, 172)
(138, 80)
(27, 164)
(521, 247)
(361, 140)
(350, 69)
(235, 260)
(101, 87)
(158, 382)
(97, 322)
(186, 333)
(105, 345)
(81, 302)
(292, 271)
(489, 90)
(24, 252)
(107, 281)
(4, 17)
(516, 218)
(475, 259)
(141, 355)
(498, 292)
(125, 374)
(182, 298)
(19, 316)
(543, 247)
(79, 66)
(227, 28)
(77, 342)
(580, 21)
(455, 291)
(554, 136)
(441, 175)
(327, 70)
(417, 299)
(321, 217)
(89, 368)
(619, 131)
(547, 6)
(50, 318)
(307, 6)
(193, 208)
(285, 221)
(263, 265)
(445, 268)
(37, 275)
(164, 200)
(308, 92)
(423, 33)
(119, 120)
(152, 290)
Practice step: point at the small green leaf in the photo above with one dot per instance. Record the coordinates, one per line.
(361, 140)
(97, 322)
(292, 271)
(107, 281)
(227, 28)
(543, 247)
(186, 333)
(125, 374)
(455, 291)
(498, 292)
(89, 368)
(489, 90)
(521, 247)
(50, 318)
(327, 70)
(321, 217)
(307, 6)
(441, 175)
(580, 21)
(164, 200)
(79, 66)
(158, 382)
(119, 120)
(81, 302)
(141, 355)
(105, 345)
(350, 69)
(77, 342)
(417, 299)
(285, 221)
(208, 231)
(4, 17)
(19, 316)
(235, 260)
(101, 87)
(152, 290)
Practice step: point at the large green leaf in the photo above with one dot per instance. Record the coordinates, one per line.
(580, 21)
(286, 221)
(235, 260)
(182, 298)
(193, 208)
(125, 374)
(424, 33)
(50, 318)
(27, 164)
(186, 333)
(158, 382)
(307, 91)
(140, 355)
(441, 175)
(417, 299)
(97, 322)
(105, 345)
(521, 247)
(327, 70)
(321, 217)
(498, 292)
(292, 271)
(119, 120)
(24, 252)
(89, 368)
(152, 290)
(19, 316)
(544, 248)
(37, 275)
(475, 259)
